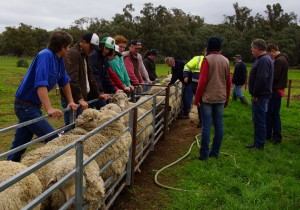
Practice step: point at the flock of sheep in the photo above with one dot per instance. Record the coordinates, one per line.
(30, 187)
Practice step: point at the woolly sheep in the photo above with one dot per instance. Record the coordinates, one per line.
(112, 106)
(47, 173)
(92, 182)
(121, 100)
(91, 119)
(21, 193)
(94, 143)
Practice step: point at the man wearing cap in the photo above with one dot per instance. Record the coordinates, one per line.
(260, 88)
(134, 63)
(117, 68)
(100, 68)
(239, 79)
(47, 70)
(83, 83)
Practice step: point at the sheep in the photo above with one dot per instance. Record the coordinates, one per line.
(21, 193)
(112, 106)
(94, 143)
(156, 89)
(91, 119)
(92, 182)
(121, 100)
(48, 172)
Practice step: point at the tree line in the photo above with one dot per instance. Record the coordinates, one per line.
(173, 32)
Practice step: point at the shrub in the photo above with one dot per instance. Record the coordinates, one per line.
(22, 63)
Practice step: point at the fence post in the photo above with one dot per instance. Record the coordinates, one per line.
(289, 93)
(167, 111)
(79, 175)
(133, 124)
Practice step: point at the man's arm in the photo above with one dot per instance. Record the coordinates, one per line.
(67, 91)
(43, 95)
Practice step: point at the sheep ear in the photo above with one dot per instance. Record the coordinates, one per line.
(51, 182)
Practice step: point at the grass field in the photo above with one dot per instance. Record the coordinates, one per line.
(239, 179)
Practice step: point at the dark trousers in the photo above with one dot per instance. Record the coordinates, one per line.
(273, 121)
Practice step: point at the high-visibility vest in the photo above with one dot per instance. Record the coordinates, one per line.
(194, 66)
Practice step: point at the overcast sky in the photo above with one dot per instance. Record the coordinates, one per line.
(51, 14)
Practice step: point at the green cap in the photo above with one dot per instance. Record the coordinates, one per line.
(108, 42)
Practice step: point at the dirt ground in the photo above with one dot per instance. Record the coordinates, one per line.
(146, 195)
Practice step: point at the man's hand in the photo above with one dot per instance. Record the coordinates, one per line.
(104, 96)
(226, 103)
(119, 91)
(198, 104)
(73, 106)
(186, 79)
(84, 105)
(127, 89)
(54, 113)
(254, 99)
(131, 88)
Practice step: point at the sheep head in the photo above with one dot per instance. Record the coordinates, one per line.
(121, 100)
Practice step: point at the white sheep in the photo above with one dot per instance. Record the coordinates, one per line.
(92, 118)
(121, 100)
(47, 173)
(21, 193)
(92, 183)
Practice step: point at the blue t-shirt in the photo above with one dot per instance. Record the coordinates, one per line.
(46, 70)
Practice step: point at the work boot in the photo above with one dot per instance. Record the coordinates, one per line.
(244, 100)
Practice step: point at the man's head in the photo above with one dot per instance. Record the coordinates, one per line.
(90, 42)
(272, 50)
(213, 44)
(135, 46)
(258, 47)
(60, 41)
(108, 46)
(237, 58)
(121, 41)
(170, 61)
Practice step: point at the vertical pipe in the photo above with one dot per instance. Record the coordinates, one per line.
(133, 125)
(166, 114)
(79, 175)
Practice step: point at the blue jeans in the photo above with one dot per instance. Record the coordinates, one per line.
(187, 98)
(259, 110)
(211, 113)
(237, 91)
(273, 121)
(25, 134)
(64, 104)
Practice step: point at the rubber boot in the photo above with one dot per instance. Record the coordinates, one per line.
(244, 100)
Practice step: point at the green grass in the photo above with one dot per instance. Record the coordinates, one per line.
(241, 179)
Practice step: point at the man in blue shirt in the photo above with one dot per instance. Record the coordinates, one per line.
(47, 70)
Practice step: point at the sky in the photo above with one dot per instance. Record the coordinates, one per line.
(52, 14)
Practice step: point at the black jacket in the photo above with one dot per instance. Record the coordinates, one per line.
(99, 66)
(281, 65)
(177, 72)
(240, 74)
(150, 67)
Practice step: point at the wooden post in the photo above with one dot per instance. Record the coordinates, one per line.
(289, 94)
